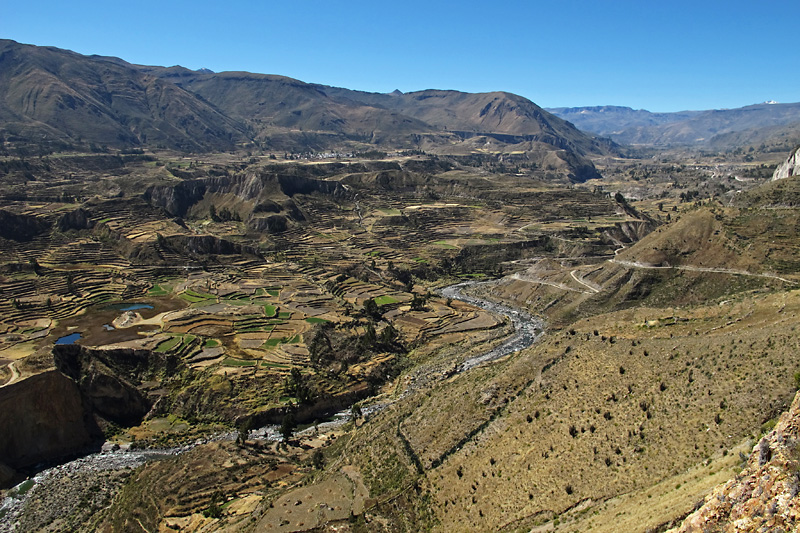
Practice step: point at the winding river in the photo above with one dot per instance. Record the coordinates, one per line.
(527, 330)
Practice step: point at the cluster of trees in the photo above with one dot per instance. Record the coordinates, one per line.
(336, 348)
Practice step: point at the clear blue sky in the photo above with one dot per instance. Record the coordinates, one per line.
(661, 56)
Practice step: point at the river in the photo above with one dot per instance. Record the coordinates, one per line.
(527, 330)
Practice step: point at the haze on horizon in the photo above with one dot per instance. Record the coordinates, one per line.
(671, 57)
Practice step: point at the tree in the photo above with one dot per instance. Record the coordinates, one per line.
(318, 459)
(287, 428)
(214, 510)
(369, 338)
(388, 336)
(418, 302)
(320, 349)
(243, 431)
(371, 309)
(295, 385)
(355, 412)
(35, 266)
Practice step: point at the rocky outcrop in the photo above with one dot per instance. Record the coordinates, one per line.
(628, 232)
(261, 188)
(20, 228)
(765, 496)
(108, 379)
(176, 199)
(270, 224)
(790, 167)
(75, 220)
(205, 245)
(41, 418)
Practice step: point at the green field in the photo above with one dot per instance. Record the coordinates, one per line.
(158, 290)
(168, 344)
(196, 297)
(238, 362)
(386, 300)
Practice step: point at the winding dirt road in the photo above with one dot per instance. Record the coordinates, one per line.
(712, 270)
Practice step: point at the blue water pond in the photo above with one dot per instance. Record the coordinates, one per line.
(68, 339)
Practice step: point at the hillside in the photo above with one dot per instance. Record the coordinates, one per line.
(763, 496)
(53, 99)
(274, 107)
(50, 95)
(768, 124)
(507, 117)
(608, 120)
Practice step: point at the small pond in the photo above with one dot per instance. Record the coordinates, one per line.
(68, 339)
(129, 307)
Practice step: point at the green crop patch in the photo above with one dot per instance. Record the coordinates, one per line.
(168, 344)
(268, 364)
(386, 300)
(274, 291)
(315, 320)
(158, 290)
(193, 297)
(202, 295)
(270, 310)
(271, 343)
(238, 362)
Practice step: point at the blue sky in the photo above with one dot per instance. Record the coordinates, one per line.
(661, 56)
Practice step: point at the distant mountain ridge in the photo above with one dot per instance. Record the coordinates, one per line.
(49, 94)
(610, 119)
(720, 128)
(53, 95)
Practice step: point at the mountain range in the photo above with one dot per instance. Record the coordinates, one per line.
(49, 95)
(767, 123)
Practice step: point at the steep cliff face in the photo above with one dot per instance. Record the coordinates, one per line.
(790, 167)
(176, 199)
(255, 187)
(59, 412)
(20, 228)
(108, 379)
(765, 496)
(42, 417)
(77, 219)
(205, 245)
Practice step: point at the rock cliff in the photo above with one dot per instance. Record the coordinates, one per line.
(41, 418)
(108, 378)
(765, 495)
(253, 187)
(20, 228)
(790, 167)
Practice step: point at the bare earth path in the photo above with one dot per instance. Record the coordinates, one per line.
(583, 282)
(713, 270)
(12, 366)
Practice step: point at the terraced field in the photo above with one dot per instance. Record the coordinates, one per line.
(308, 298)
